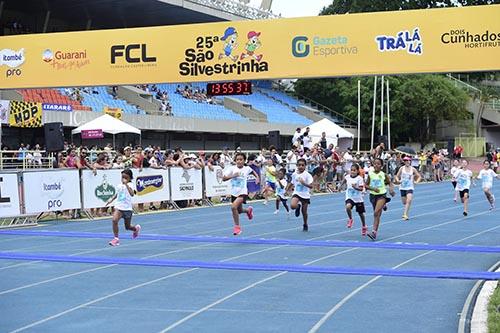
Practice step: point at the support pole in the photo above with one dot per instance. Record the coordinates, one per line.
(382, 106)
(373, 111)
(359, 114)
(388, 119)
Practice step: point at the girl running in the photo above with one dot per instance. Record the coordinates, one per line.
(453, 172)
(354, 197)
(281, 186)
(238, 174)
(123, 207)
(464, 176)
(301, 198)
(486, 175)
(406, 177)
(270, 185)
(376, 184)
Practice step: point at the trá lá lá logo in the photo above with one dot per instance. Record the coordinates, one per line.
(148, 184)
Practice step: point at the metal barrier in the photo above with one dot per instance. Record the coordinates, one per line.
(26, 159)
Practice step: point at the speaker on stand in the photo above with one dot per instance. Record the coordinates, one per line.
(54, 137)
(275, 139)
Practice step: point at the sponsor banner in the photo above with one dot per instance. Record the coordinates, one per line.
(100, 187)
(4, 112)
(51, 191)
(56, 107)
(410, 41)
(214, 186)
(113, 112)
(92, 134)
(9, 195)
(186, 184)
(151, 185)
(25, 114)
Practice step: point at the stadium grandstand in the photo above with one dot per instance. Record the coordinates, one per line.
(187, 113)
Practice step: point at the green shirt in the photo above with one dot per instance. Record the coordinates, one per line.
(377, 180)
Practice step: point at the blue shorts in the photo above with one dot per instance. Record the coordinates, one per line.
(271, 185)
(405, 192)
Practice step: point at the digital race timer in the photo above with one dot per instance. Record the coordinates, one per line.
(229, 88)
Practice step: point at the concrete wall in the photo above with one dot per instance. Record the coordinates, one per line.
(139, 97)
(309, 113)
(244, 109)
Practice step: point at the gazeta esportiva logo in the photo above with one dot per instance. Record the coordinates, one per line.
(405, 40)
(322, 46)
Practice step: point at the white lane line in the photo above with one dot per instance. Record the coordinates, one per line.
(337, 306)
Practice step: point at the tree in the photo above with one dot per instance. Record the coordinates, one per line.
(417, 102)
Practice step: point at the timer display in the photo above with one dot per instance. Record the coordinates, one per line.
(229, 88)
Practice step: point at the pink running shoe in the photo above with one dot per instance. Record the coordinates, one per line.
(250, 212)
(364, 231)
(236, 230)
(349, 223)
(114, 242)
(137, 231)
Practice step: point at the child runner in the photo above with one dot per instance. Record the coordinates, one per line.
(281, 186)
(354, 197)
(406, 177)
(123, 207)
(486, 175)
(453, 172)
(464, 176)
(270, 185)
(376, 184)
(301, 198)
(238, 174)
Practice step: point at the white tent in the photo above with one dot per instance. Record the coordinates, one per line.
(334, 133)
(109, 125)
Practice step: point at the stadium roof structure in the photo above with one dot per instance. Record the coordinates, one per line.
(72, 15)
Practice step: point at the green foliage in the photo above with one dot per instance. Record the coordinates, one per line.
(494, 311)
(415, 101)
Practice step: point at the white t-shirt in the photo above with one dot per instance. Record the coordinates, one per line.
(307, 141)
(299, 189)
(352, 193)
(453, 173)
(348, 161)
(486, 177)
(238, 184)
(296, 137)
(280, 190)
(406, 179)
(463, 179)
(123, 197)
(291, 159)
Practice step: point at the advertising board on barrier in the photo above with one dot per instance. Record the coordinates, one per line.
(51, 190)
(186, 184)
(214, 186)
(9, 195)
(56, 107)
(151, 185)
(25, 114)
(440, 40)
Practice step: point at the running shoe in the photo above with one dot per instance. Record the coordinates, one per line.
(114, 242)
(265, 202)
(250, 212)
(372, 235)
(297, 211)
(349, 223)
(236, 230)
(465, 213)
(137, 231)
(405, 217)
(305, 227)
(364, 230)
(385, 208)
(276, 212)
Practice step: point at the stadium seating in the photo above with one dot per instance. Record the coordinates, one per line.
(51, 96)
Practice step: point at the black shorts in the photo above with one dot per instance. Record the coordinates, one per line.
(376, 197)
(126, 214)
(360, 206)
(405, 192)
(454, 183)
(302, 200)
(462, 193)
(244, 196)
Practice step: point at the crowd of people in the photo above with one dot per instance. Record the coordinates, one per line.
(161, 95)
(195, 94)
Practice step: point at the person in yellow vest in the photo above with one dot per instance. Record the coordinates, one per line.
(376, 184)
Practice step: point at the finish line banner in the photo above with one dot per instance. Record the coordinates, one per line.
(447, 40)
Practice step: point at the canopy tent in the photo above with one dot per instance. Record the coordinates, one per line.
(334, 133)
(109, 125)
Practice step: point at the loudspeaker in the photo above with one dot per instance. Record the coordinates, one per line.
(383, 138)
(451, 147)
(54, 137)
(275, 139)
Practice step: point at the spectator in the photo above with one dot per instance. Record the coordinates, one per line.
(322, 141)
(118, 162)
(296, 137)
(226, 159)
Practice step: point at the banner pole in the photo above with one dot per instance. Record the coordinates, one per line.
(382, 106)
(359, 113)
(373, 111)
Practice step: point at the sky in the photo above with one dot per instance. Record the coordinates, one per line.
(295, 8)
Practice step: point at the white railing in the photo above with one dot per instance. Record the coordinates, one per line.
(29, 159)
(236, 8)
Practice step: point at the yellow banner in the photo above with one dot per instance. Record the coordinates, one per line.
(418, 41)
(113, 112)
(25, 114)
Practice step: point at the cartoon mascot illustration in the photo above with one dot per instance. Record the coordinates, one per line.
(252, 45)
(230, 39)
